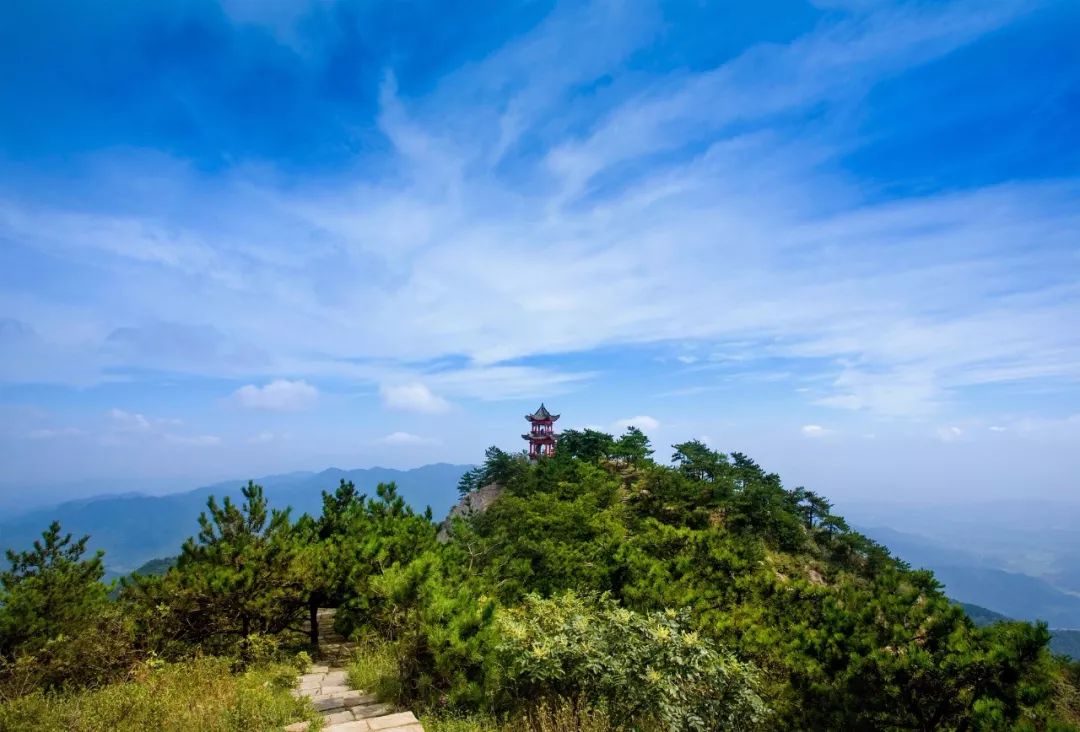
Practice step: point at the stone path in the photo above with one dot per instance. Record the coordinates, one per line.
(343, 708)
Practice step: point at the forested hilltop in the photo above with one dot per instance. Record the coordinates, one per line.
(602, 590)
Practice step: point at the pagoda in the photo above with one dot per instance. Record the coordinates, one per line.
(542, 436)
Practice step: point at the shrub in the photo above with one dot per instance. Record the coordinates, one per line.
(57, 626)
(643, 669)
(557, 716)
(100, 652)
(375, 668)
(194, 696)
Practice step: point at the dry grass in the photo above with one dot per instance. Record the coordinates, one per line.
(202, 695)
(374, 669)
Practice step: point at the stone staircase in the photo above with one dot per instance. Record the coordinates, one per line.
(343, 708)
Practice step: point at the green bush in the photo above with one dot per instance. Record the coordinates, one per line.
(375, 668)
(194, 696)
(100, 652)
(57, 625)
(557, 716)
(643, 669)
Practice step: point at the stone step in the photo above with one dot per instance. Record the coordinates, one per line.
(343, 708)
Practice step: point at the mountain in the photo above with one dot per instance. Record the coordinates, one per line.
(1064, 642)
(981, 615)
(980, 580)
(133, 528)
(156, 567)
(1035, 537)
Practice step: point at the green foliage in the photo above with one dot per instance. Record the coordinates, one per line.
(1066, 642)
(588, 445)
(632, 447)
(202, 695)
(49, 591)
(375, 669)
(156, 567)
(594, 446)
(375, 536)
(557, 716)
(844, 635)
(237, 580)
(696, 461)
(547, 611)
(1064, 710)
(99, 651)
(651, 670)
(499, 467)
(57, 627)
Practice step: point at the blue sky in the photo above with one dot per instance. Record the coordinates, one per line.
(246, 237)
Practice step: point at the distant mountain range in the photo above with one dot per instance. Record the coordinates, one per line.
(971, 578)
(134, 528)
(990, 556)
(1064, 642)
(1035, 537)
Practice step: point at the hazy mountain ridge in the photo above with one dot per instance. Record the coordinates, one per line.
(135, 528)
(979, 580)
(1065, 642)
(1038, 538)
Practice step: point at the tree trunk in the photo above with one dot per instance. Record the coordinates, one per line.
(313, 616)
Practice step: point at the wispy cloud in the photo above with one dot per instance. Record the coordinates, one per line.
(54, 434)
(789, 260)
(414, 397)
(950, 433)
(513, 229)
(279, 395)
(405, 438)
(643, 422)
(126, 428)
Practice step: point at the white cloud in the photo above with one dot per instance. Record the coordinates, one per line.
(815, 430)
(278, 395)
(193, 440)
(443, 259)
(950, 433)
(125, 421)
(405, 438)
(643, 422)
(262, 438)
(413, 397)
(125, 428)
(998, 428)
(52, 434)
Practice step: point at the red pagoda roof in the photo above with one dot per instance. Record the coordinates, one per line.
(541, 415)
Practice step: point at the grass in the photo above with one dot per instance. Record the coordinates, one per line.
(203, 695)
(374, 669)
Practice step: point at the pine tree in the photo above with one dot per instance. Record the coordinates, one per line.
(240, 575)
(48, 592)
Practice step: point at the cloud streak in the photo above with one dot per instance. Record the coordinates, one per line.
(512, 230)
(578, 264)
(280, 395)
(413, 397)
